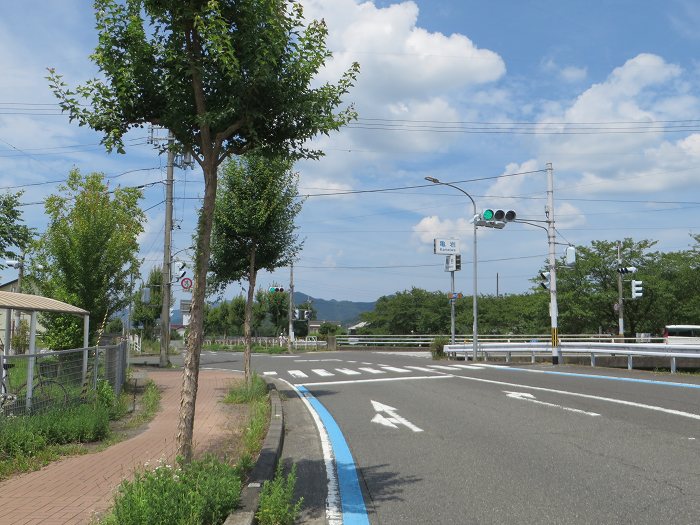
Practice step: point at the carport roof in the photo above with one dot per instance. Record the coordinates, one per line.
(37, 303)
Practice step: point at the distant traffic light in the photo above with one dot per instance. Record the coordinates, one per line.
(297, 313)
(495, 218)
(545, 280)
(627, 269)
(637, 289)
(307, 314)
(273, 289)
(181, 271)
(458, 262)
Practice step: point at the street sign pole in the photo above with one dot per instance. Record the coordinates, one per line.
(452, 307)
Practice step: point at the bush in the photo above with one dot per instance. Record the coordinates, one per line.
(202, 492)
(437, 347)
(277, 505)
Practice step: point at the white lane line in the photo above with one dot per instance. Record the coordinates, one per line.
(297, 373)
(443, 367)
(269, 373)
(469, 367)
(396, 369)
(526, 396)
(321, 372)
(587, 396)
(372, 370)
(317, 360)
(367, 363)
(356, 381)
(420, 368)
(348, 372)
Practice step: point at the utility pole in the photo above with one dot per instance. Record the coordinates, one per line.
(620, 300)
(551, 236)
(290, 339)
(167, 263)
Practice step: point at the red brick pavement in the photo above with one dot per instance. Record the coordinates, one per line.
(72, 491)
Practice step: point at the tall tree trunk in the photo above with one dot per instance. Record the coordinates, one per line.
(190, 373)
(249, 318)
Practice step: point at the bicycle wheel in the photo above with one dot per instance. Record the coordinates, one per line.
(45, 394)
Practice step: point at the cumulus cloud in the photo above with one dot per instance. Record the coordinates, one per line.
(637, 96)
(429, 228)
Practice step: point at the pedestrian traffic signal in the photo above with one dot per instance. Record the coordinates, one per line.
(491, 218)
(273, 289)
(181, 271)
(637, 290)
(296, 314)
(458, 262)
(307, 314)
(545, 280)
(627, 269)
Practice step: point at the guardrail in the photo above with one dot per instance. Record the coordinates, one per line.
(420, 340)
(509, 350)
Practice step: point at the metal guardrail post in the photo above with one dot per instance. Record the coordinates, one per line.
(629, 362)
(532, 357)
(593, 359)
(673, 365)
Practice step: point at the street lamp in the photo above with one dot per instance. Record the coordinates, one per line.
(475, 342)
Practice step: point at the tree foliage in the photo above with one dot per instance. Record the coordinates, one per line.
(254, 230)
(87, 254)
(12, 233)
(144, 313)
(225, 77)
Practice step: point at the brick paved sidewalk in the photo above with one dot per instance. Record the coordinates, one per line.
(73, 490)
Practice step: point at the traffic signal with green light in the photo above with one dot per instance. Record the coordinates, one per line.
(495, 218)
(273, 289)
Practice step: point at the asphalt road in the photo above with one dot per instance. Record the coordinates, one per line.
(451, 442)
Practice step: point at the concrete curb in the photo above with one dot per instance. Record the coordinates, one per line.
(264, 469)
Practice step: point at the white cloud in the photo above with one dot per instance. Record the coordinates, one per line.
(573, 74)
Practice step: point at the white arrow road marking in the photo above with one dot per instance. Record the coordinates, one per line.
(526, 396)
(297, 373)
(394, 419)
(378, 418)
(322, 372)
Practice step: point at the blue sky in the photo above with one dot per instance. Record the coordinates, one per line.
(463, 90)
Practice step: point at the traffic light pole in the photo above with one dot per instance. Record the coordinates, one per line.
(551, 237)
(452, 307)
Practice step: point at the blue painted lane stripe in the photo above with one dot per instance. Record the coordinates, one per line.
(609, 378)
(351, 500)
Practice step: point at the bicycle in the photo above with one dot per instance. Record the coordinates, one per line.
(46, 392)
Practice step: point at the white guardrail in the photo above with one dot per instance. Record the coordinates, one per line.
(509, 350)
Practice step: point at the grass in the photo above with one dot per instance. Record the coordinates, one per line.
(258, 349)
(277, 505)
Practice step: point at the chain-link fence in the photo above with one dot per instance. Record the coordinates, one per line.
(36, 382)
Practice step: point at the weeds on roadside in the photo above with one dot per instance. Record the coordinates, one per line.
(202, 492)
(242, 393)
(277, 506)
(437, 347)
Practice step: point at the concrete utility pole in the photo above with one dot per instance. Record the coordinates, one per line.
(167, 263)
(551, 236)
(290, 339)
(620, 300)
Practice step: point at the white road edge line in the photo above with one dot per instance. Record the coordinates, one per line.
(334, 513)
(586, 396)
(524, 396)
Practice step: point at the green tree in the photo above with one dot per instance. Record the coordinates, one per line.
(12, 233)
(87, 254)
(225, 77)
(144, 313)
(254, 230)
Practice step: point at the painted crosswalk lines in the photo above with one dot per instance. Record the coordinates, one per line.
(372, 370)
(348, 372)
(298, 374)
(321, 372)
(376, 369)
(396, 369)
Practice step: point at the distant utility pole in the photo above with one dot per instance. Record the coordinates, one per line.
(167, 263)
(551, 236)
(290, 339)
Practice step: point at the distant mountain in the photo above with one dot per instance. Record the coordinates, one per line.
(345, 312)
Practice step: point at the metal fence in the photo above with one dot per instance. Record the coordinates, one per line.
(53, 379)
(667, 354)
